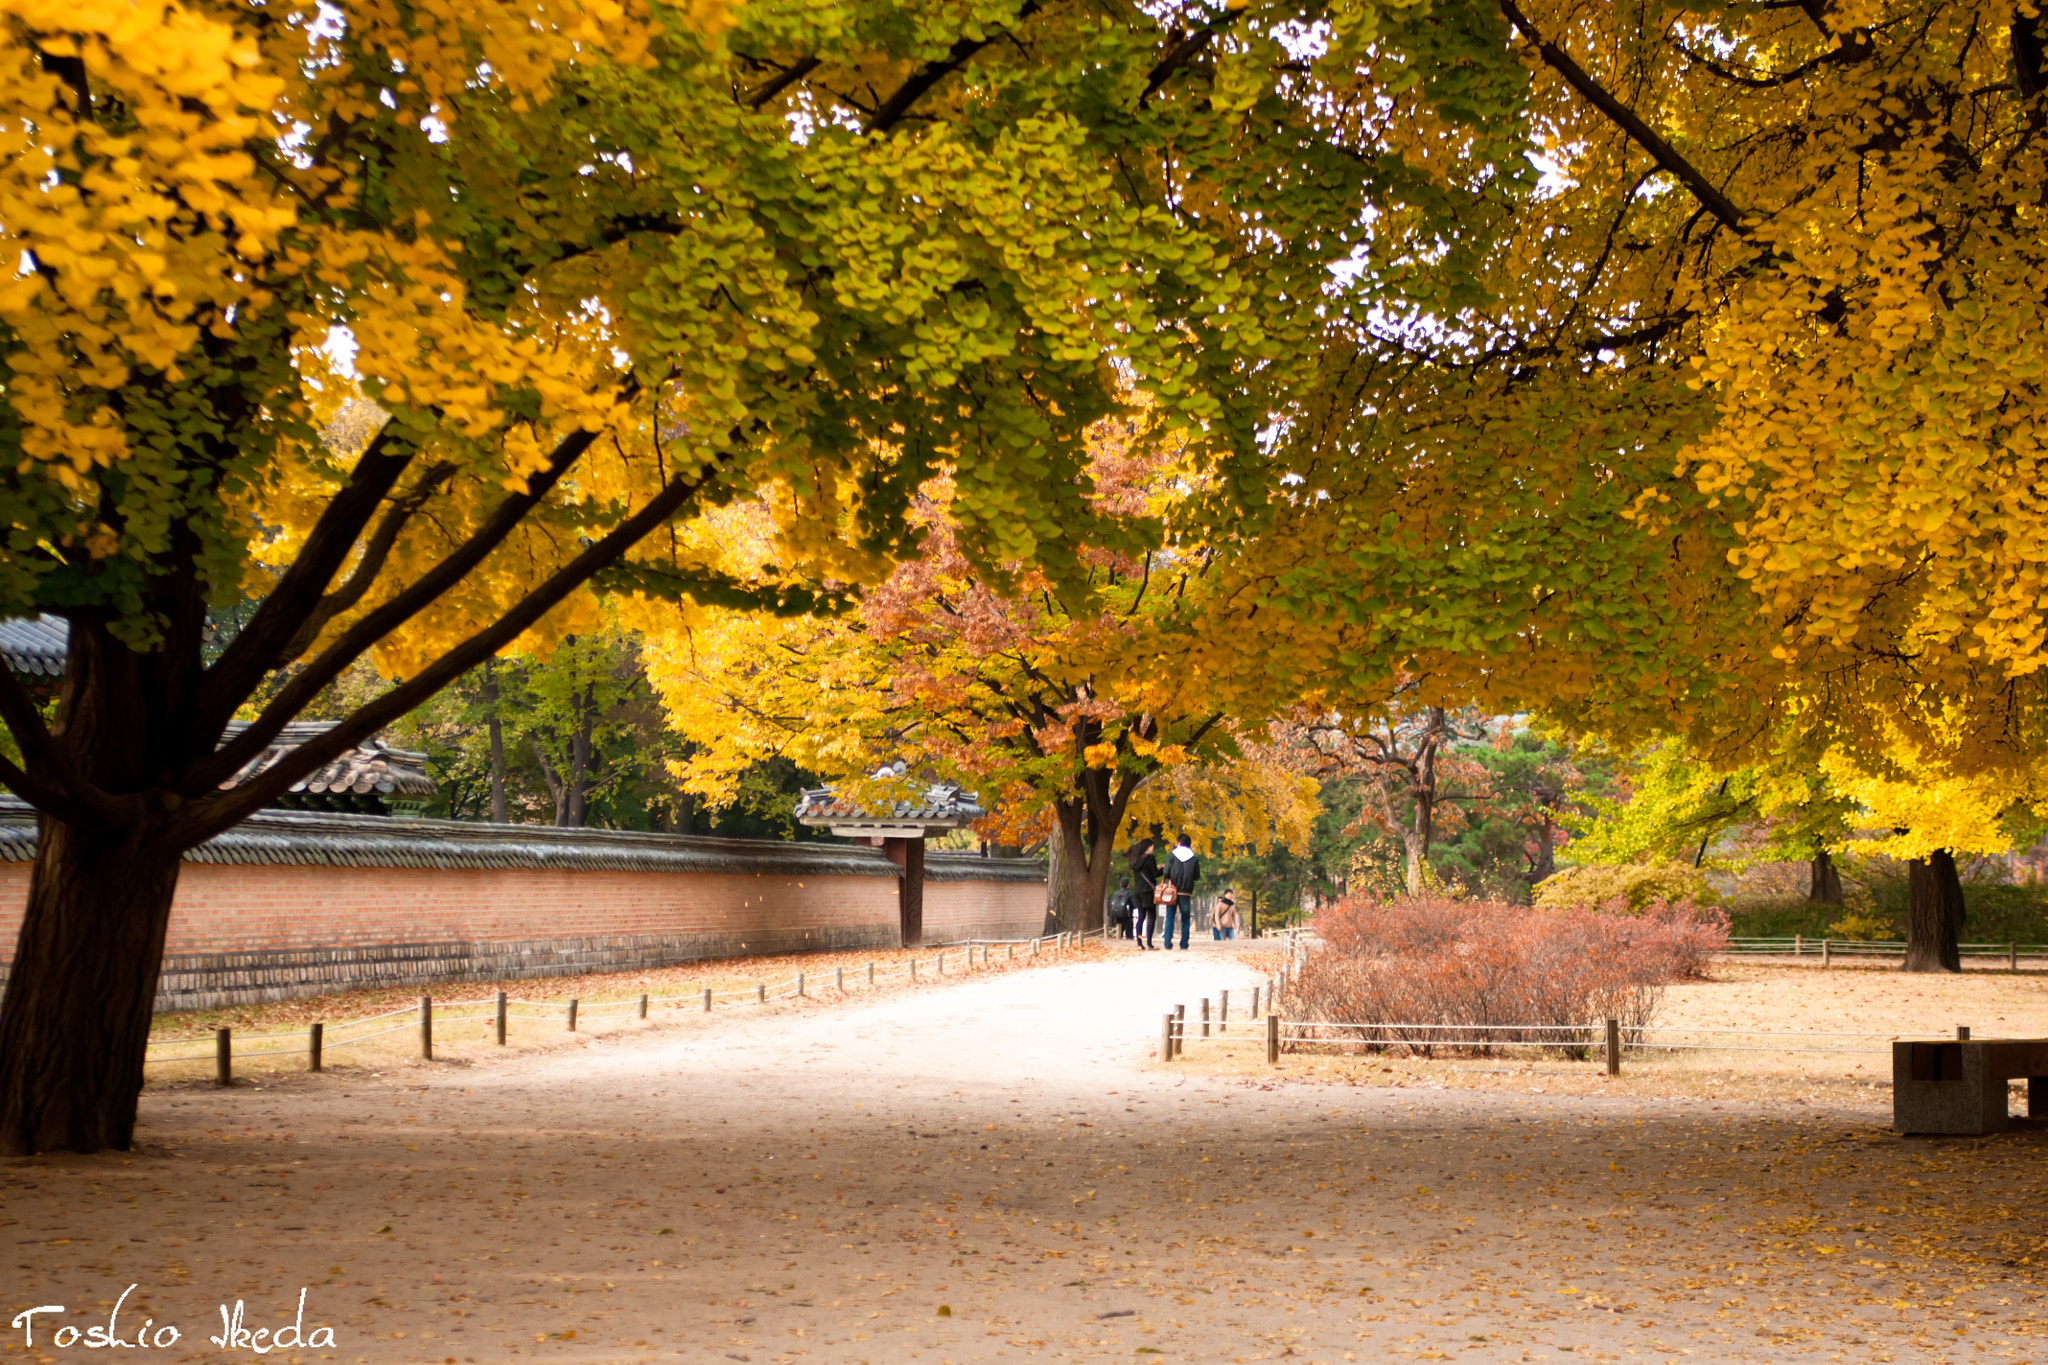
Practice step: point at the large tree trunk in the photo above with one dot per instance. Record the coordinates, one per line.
(75, 1020)
(1059, 888)
(1934, 913)
(1414, 857)
(1825, 885)
(1085, 850)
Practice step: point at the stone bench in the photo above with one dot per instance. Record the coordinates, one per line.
(1959, 1085)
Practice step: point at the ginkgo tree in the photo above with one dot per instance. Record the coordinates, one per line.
(1737, 427)
(1075, 710)
(598, 266)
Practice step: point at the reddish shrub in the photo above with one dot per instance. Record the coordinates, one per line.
(1475, 964)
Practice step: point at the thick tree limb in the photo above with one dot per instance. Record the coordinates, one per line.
(354, 642)
(42, 749)
(2030, 49)
(891, 110)
(402, 511)
(264, 643)
(767, 90)
(228, 808)
(1663, 153)
(1184, 50)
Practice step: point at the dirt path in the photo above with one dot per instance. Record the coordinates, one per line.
(996, 1170)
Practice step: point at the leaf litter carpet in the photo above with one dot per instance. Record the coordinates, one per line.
(996, 1168)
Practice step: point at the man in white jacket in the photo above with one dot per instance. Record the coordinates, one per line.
(1183, 870)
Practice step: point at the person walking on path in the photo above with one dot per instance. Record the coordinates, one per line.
(1145, 875)
(1183, 870)
(1120, 908)
(1226, 918)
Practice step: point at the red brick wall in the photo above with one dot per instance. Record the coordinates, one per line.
(243, 931)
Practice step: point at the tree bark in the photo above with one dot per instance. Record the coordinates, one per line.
(558, 790)
(1934, 913)
(1059, 888)
(75, 1020)
(578, 779)
(1825, 887)
(1544, 864)
(497, 732)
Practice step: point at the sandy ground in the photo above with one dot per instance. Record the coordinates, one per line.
(997, 1169)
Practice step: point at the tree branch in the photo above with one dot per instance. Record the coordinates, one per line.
(265, 642)
(41, 748)
(236, 804)
(302, 686)
(891, 111)
(1662, 152)
(1185, 50)
(372, 563)
(789, 75)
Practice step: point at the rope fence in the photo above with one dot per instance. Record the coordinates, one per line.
(1828, 949)
(1609, 1040)
(315, 1041)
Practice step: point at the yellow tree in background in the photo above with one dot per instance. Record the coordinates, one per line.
(1075, 710)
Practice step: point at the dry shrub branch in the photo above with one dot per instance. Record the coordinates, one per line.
(1490, 968)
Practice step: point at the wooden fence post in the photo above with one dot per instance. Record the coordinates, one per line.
(913, 971)
(223, 1058)
(1166, 1036)
(942, 962)
(1799, 945)
(1223, 1012)
(1827, 946)
(2012, 957)
(871, 975)
(1009, 952)
(839, 979)
(1614, 1047)
(799, 985)
(760, 992)
(1255, 1002)
(643, 1005)
(1272, 1039)
(1205, 1016)
(313, 1047)
(426, 1028)
(501, 1018)
(1180, 1030)
(572, 1014)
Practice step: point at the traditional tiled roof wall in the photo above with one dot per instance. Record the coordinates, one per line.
(34, 646)
(291, 838)
(299, 903)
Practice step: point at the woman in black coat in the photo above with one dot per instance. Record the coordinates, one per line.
(1144, 876)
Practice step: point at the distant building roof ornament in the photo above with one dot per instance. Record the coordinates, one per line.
(927, 809)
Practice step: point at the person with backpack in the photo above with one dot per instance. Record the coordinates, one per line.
(1145, 875)
(1183, 871)
(1120, 908)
